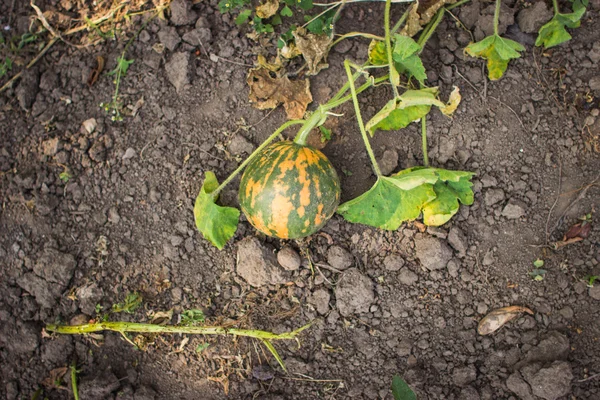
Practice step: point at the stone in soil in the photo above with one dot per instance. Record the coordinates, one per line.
(531, 19)
(514, 209)
(458, 241)
(493, 196)
(88, 296)
(320, 300)
(198, 37)
(518, 386)
(464, 376)
(258, 265)
(182, 13)
(339, 258)
(388, 161)
(28, 88)
(552, 382)
(354, 293)
(393, 262)
(177, 70)
(594, 292)
(169, 37)
(239, 145)
(433, 253)
(407, 277)
(289, 259)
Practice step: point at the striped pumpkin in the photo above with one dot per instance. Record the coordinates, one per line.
(289, 191)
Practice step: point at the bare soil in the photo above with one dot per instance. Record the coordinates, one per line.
(384, 303)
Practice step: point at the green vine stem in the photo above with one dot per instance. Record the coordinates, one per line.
(74, 381)
(123, 327)
(430, 28)
(497, 15)
(424, 140)
(388, 47)
(255, 153)
(555, 5)
(361, 125)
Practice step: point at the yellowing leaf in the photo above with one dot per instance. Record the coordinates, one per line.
(497, 51)
(421, 13)
(403, 196)
(217, 224)
(267, 91)
(267, 9)
(453, 102)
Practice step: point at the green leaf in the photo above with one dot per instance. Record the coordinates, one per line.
(243, 17)
(497, 51)
(386, 206)
(398, 113)
(401, 390)
(406, 58)
(122, 66)
(217, 224)
(202, 346)
(274, 352)
(305, 4)
(453, 186)
(539, 263)
(192, 317)
(554, 32)
(325, 134)
(286, 12)
(403, 196)
(276, 20)
(132, 302)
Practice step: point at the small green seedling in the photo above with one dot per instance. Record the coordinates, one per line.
(74, 372)
(325, 134)
(590, 279)
(201, 347)
(65, 176)
(498, 51)
(115, 106)
(132, 302)
(192, 317)
(5, 66)
(401, 390)
(538, 273)
(554, 32)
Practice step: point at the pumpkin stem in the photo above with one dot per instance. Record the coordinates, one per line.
(260, 148)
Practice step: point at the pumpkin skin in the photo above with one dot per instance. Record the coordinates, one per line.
(289, 190)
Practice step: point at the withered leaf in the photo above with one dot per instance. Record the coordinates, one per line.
(267, 9)
(421, 13)
(268, 92)
(498, 317)
(314, 49)
(95, 74)
(579, 230)
(54, 378)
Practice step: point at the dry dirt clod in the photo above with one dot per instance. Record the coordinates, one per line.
(339, 258)
(433, 253)
(289, 259)
(498, 317)
(354, 293)
(258, 265)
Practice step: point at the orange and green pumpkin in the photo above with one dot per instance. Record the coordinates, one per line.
(289, 190)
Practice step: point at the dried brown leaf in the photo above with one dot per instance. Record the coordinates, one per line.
(579, 230)
(274, 66)
(498, 317)
(267, 9)
(162, 317)
(268, 92)
(95, 74)
(54, 378)
(421, 13)
(314, 49)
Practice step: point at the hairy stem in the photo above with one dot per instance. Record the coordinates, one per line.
(123, 327)
(361, 125)
(424, 140)
(403, 18)
(74, 381)
(430, 28)
(497, 16)
(388, 46)
(255, 153)
(555, 5)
